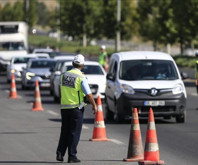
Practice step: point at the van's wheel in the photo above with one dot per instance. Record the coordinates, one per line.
(56, 99)
(181, 118)
(109, 114)
(117, 118)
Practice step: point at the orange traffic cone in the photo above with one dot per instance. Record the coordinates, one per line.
(37, 102)
(13, 92)
(99, 132)
(135, 149)
(151, 151)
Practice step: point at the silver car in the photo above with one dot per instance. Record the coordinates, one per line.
(37, 69)
(17, 64)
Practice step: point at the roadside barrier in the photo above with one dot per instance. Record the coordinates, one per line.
(135, 148)
(13, 91)
(99, 132)
(37, 106)
(151, 150)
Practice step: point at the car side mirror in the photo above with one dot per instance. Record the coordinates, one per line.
(184, 75)
(110, 76)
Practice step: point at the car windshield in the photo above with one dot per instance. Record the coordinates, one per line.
(41, 64)
(147, 70)
(88, 69)
(21, 60)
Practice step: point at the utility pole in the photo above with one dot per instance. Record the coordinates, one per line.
(118, 47)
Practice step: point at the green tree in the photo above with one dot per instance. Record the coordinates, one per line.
(0, 13)
(149, 27)
(77, 18)
(185, 19)
(18, 12)
(129, 16)
(7, 12)
(43, 14)
(30, 13)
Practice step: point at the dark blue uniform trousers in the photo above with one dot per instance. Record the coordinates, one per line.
(72, 120)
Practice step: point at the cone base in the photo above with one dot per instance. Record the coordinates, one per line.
(99, 140)
(37, 109)
(13, 97)
(160, 162)
(134, 159)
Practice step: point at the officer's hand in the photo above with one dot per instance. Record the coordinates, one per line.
(95, 109)
(196, 82)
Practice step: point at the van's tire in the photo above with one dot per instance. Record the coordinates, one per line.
(109, 114)
(56, 99)
(117, 117)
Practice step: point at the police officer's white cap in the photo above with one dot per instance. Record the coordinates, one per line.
(79, 59)
(103, 47)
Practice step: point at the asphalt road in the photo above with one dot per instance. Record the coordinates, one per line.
(28, 137)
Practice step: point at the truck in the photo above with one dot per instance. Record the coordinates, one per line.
(13, 41)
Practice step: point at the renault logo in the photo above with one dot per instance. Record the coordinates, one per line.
(153, 91)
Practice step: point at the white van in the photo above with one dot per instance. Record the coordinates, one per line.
(144, 79)
(13, 41)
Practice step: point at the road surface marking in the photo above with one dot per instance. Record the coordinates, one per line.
(53, 113)
(194, 94)
(85, 127)
(116, 141)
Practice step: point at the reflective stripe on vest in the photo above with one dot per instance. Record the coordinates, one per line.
(70, 106)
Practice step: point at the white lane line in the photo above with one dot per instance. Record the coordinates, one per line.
(53, 113)
(116, 141)
(194, 94)
(7, 91)
(85, 127)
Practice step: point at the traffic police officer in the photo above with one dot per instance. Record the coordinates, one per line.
(103, 58)
(73, 87)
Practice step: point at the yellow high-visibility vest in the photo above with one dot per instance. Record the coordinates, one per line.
(71, 91)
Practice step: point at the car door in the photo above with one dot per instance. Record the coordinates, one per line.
(111, 85)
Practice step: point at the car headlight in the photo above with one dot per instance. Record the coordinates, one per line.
(12, 70)
(177, 89)
(29, 75)
(127, 89)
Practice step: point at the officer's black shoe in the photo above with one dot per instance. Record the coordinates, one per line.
(74, 160)
(59, 157)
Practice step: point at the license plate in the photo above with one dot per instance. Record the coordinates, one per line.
(154, 103)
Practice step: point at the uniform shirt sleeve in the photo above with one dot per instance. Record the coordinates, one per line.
(85, 87)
